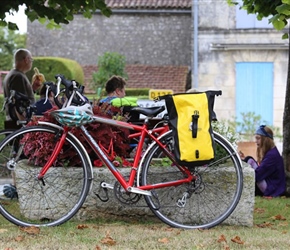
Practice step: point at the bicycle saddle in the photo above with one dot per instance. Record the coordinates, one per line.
(149, 111)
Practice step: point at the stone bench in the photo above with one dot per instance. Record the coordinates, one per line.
(94, 207)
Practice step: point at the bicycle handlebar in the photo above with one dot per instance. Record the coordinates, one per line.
(72, 89)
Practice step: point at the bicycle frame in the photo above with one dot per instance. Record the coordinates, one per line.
(142, 132)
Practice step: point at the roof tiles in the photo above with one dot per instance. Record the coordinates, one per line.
(147, 76)
(149, 4)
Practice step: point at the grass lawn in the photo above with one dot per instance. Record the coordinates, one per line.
(270, 231)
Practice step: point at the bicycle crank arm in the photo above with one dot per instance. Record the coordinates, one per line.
(130, 189)
(139, 191)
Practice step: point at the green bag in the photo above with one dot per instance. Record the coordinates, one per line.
(190, 117)
(125, 101)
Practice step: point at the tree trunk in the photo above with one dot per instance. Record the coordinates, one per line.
(286, 125)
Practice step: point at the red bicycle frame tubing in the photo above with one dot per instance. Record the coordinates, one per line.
(158, 130)
(142, 132)
(168, 184)
(55, 153)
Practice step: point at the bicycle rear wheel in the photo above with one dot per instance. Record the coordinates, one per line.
(203, 203)
(26, 200)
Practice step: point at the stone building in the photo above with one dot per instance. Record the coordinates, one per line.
(245, 58)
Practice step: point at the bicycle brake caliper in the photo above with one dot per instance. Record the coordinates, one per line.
(182, 202)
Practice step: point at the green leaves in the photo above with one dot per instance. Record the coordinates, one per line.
(12, 26)
(42, 20)
(284, 9)
(56, 12)
(279, 22)
(31, 15)
(232, 3)
(286, 2)
(9, 42)
(111, 63)
(279, 10)
(3, 23)
(285, 36)
(53, 25)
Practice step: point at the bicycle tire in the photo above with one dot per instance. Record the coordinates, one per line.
(5, 132)
(57, 197)
(221, 180)
(4, 172)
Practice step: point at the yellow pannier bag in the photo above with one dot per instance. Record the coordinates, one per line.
(190, 116)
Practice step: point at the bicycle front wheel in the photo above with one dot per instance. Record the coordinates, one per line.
(26, 200)
(207, 200)
(4, 133)
(4, 172)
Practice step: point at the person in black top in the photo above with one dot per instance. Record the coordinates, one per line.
(43, 105)
(17, 80)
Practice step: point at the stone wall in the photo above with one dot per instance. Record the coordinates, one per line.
(150, 39)
(217, 67)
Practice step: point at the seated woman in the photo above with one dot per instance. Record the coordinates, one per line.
(115, 88)
(269, 168)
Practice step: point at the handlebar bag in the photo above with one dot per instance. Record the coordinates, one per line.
(190, 117)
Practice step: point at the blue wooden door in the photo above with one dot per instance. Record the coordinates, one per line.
(254, 89)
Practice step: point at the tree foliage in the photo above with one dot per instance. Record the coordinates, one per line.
(109, 64)
(56, 12)
(10, 41)
(278, 12)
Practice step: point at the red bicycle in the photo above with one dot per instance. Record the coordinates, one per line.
(50, 192)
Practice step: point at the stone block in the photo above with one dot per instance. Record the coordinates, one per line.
(107, 203)
(244, 212)
(93, 207)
